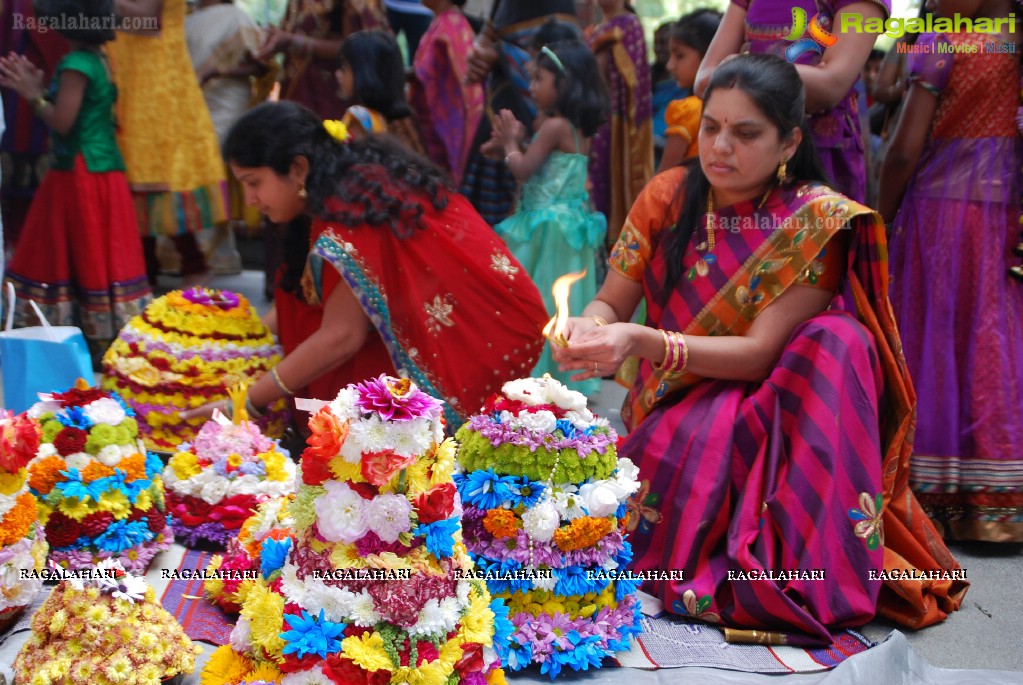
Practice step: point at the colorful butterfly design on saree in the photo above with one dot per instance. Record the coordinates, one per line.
(869, 525)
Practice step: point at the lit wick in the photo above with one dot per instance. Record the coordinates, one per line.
(555, 328)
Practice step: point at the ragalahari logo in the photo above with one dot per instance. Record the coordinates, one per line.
(818, 40)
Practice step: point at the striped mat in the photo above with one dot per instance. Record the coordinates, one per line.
(184, 600)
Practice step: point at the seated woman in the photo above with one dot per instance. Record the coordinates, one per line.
(769, 355)
(402, 277)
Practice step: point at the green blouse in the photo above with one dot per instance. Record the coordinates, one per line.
(92, 135)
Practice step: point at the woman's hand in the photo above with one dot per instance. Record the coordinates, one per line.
(22, 76)
(482, 57)
(595, 351)
(493, 149)
(206, 410)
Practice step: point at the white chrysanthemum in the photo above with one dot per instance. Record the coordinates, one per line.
(437, 428)
(110, 455)
(312, 677)
(368, 435)
(344, 407)
(507, 417)
(40, 408)
(411, 438)
(46, 449)
(489, 656)
(340, 513)
(544, 582)
(581, 420)
(599, 498)
(105, 410)
(241, 640)
(78, 460)
(627, 475)
(529, 391)
(293, 588)
(569, 505)
(214, 491)
(601, 422)
(363, 611)
(609, 564)
(247, 484)
(462, 593)
(542, 422)
(436, 618)
(564, 397)
(541, 521)
(267, 518)
(336, 603)
(388, 516)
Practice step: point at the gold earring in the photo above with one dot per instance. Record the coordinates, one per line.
(782, 171)
(302, 192)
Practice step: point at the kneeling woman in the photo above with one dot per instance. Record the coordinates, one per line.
(771, 418)
(386, 269)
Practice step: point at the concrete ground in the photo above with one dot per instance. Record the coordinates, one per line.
(984, 634)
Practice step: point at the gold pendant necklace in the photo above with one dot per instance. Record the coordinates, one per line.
(702, 266)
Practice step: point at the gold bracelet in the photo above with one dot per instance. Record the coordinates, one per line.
(601, 321)
(39, 103)
(276, 377)
(667, 351)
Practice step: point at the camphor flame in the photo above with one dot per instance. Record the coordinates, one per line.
(555, 328)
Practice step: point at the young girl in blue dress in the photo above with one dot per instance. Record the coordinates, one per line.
(555, 231)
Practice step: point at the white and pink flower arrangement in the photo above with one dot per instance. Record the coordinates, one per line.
(374, 584)
(218, 481)
(545, 498)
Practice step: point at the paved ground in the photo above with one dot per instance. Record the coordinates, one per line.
(984, 634)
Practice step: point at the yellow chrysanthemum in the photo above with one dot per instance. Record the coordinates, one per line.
(234, 460)
(344, 470)
(496, 677)
(58, 621)
(265, 611)
(451, 651)
(274, 461)
(417, 478)
(144, 501)
(150, 673)
(97, 614)
(433, 673)
(225, 667)
(10, 483)
(478, 624)
(119, 670)
(184, 465)
(347, 556)
(83, 671)
(266, 672)
(116, 502)
(445, 464)
(76, 508)
(367, 651)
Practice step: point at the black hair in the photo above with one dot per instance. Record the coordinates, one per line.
(696, 30)
(775, 87)
(65, 14)
(382, 183)
(378, 72)
(554, 31)
(582, 94)
(875, 54)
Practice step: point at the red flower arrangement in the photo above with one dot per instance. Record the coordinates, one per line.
(496, 404)
(62, 531)
(437, 503)
(76, 397)
(96, 524)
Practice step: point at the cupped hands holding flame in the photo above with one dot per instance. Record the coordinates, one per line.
(594, 348)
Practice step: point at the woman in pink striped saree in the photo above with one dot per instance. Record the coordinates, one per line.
(771, 417)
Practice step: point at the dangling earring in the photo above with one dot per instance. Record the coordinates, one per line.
(782, 172)
(301, 191)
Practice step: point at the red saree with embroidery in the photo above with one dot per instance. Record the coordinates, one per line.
(804, 475)
(452, 308)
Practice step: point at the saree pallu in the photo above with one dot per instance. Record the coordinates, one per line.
(622, 152)
(806, 471)
(456, 312)
(447, 106)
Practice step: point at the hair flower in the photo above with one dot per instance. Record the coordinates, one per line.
(337, 130)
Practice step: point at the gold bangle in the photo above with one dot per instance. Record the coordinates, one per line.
(276, 377)
(667, 351)
(685, 355)
(39, 103)
(601, 321)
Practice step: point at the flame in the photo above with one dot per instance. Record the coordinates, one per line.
(555, 328)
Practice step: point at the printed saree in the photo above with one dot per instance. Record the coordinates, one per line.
(805, 472)
(453, 309)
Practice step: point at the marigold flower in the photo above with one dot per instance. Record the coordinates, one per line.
(501, 523)
(45, 473)
(18, 520)
(583, 532)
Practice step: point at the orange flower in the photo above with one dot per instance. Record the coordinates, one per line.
(95, 471)
(379, 467)
(18, 520)
(328, 434)
(501, 523)
(582, 533)
(45, 473)
(134, 467)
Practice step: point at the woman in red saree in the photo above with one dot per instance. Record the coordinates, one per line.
(386, 269)
(755, 415)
